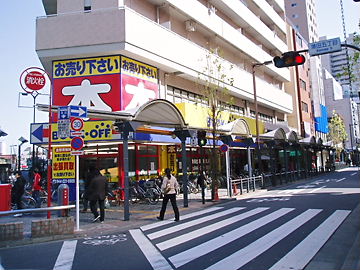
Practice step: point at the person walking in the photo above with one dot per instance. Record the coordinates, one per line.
(97, 191)
(36, 188)
(85, 199)
(169, 187)
(18, 190)
(201, 182)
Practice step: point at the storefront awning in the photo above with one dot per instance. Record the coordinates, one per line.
(158, 112)
(308, 140)
(276, 134)
(237, 127)
(292, 137)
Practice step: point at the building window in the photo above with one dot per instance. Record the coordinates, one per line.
(293, 4)
(304, 107)
(295, 16)
(302, 84)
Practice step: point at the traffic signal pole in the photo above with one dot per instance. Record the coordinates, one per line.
(258, 154)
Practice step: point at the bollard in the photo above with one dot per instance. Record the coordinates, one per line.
(63, 199)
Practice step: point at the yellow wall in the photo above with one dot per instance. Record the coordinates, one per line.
(197, 116)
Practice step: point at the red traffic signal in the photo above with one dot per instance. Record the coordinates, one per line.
(289, 59)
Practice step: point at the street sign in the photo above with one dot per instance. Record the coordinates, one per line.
(78, 111)
(77, 143)
(224, 147)
(63, 128)
(64, 112)
(77, 153)
(77, 124)
(33, 79)
(325, 46)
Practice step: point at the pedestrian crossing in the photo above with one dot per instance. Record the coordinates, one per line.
(224, 238)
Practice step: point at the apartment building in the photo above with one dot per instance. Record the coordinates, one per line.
(139, 50)
(302, 14)
(302, 117)
(336, 64)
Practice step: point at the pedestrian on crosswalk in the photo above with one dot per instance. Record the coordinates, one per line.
(201, 182)
(169, 187)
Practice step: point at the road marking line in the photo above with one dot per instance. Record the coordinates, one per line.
(250, 252)
(207, 229)
(222, 240)
(316, 189)
(342, 179)
(65, 258)
(188, 224)
(299, 256)
(194, 214)
(154, 257)
(353, 174)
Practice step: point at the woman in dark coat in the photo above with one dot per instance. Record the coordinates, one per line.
(97, 191)
(18, 189)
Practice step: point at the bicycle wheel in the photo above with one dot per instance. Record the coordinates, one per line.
(28, 202)
(133, 196)
(152, 196)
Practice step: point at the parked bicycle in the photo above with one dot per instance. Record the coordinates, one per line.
(147, 193)
(27, 201)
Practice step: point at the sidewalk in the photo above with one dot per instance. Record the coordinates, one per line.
(140, 214)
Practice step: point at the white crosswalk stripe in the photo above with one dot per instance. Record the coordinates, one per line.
(182, 249)
(66, 256)
(205, 230)
(191, 215)
(298, 257)
(264, 243)
(193, 223)
(195, 252)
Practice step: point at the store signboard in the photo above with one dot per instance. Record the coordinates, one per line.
(92, 82)
(139, 83)
(63, 169)
(106, 83)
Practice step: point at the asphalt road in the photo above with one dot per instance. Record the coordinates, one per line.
(287, 228)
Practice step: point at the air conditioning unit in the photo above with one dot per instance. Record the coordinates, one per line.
(190, 26)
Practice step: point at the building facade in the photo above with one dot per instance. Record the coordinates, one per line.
(113, 55)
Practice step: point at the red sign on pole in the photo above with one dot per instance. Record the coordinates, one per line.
(77, 124)
(33, 79)
(224, 147)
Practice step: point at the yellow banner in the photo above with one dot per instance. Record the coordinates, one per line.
(63, 164)
(86, 67)
(93, 131)
(198, 116)
(139, 70)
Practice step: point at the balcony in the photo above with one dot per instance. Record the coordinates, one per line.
(123, 31)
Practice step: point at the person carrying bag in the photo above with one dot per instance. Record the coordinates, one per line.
(169, 188)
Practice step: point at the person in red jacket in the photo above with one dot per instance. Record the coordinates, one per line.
(37, 188)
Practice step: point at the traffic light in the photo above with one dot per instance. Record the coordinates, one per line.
(289, 59)
(201, 135)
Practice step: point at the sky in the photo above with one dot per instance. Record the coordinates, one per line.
(17, 48)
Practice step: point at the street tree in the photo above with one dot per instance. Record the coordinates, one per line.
(337, 132)
(214, 84)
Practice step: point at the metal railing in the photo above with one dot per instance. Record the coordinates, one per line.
(246, 183)
(35, 210)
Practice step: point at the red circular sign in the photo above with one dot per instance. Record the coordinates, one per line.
(224, 147)
(35, 81)
(77, 143)
(77, 124)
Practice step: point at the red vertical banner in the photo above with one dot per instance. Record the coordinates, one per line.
(139, 83)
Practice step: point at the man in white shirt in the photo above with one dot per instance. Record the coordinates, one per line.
(169, 187)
